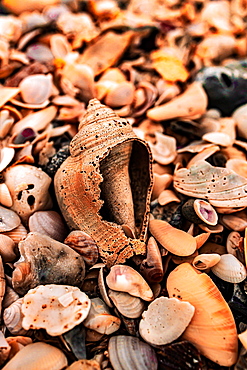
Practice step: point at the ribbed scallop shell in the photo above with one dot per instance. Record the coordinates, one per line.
(38, 356)
(126, 304)
(12, 317)
(230, 269)
(48, 223)
(17, 234)
(105, 162)
(126, 352)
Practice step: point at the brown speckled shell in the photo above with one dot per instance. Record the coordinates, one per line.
(78, 182)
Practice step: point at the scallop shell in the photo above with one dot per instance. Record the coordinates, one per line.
(48, 223)
(17, 234)
(230, 269)
(126, 352)
(127, 305)
(38, 355)
(104, 158)
(212, 329)
(220, 186)
(124, 278)
(83, 244)
(29, 92)
(12, 317)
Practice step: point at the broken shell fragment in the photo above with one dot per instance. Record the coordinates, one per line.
(125, 352)
(164, 150)
(212, 329)
(83, 244)
(174, 240)
(172, 317)
(127, 305)
(55, 308)
(151, 267)
(9, 220)
(6, 156)
(230, 269)
(205, 261)
(124, 278)
(5, 197)
(46, 261)
(100, 319)
(7, 248)
(103, 175)
(38, 355)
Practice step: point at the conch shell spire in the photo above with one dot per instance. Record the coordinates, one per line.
(107, 182)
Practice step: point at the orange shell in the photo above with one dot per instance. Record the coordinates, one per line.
(79, 183)
(212, 329)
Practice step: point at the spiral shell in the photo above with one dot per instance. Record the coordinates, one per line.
(12, 317)
(103, 176)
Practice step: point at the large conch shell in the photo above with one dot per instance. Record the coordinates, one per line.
(106, 183)
(212, 329)
(220, 186)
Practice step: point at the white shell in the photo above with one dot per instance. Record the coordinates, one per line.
(165, 320)
(6, 156)
(12, 317)
(56, 308)
(36, 89)
(128, 305)
(230, 269)
(5, 197)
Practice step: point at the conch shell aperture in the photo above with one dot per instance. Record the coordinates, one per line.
(107, 182)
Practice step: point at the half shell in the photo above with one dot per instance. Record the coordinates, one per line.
(103, 176)
(230, 269)
(127, 304)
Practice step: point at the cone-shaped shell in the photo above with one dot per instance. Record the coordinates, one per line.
(174, 240)
(103, 146)
(212, 329)
(38, 356)
(124, 278)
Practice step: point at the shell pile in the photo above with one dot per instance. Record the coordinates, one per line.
(123, 185)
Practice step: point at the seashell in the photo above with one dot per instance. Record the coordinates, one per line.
(6, 122)
(75, 339)
(237, 165)
(220, 186)
(39, 52)
(84, 364)
(10, 297)
(29, 5)
(167, 196)
(152, 267)
(29, 92)
(28, 186)
(127, 351)
(83, 244)
(7, 93)
(198, 211)
(164, 150)
(243, 338)
(13, 316)
(37, 121)
(9, 220)
(4, 348)
(38, 355)
(174, 240)
(210, 247)
(230, 269)
(218, 138)
(127, 305)
(192, 103)
(60, 46)
(212, 329)
(201, 239)
(55, 308)
(100, 319)
(46, 261)
(211, 229)
(165, 320)
(17, 343)
(121, 94)
(205, 261)
(48, 223)
(124, 278)
(240, 116)
(161, 182)
(102, 287)
(235, 222)
(7, 248)
(2, 283)
(5, 197)
(6, 156)
(94, 150)
(17, 234)
(234, 242)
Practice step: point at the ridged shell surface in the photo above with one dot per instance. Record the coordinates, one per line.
(108, 172)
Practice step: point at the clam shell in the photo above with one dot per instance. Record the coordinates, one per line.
(230, 269)
(220, 186)
(126, 352)
(13, 316)
(7, 93)
(174, 240)
(6, 156)
(237, 165)
(83, 244)
(49, 223)
(127, 305)
(164, 150)
(29, 92)
(104, 158)
(212, 329)
(5, 197)
(55, 308)
(9, 220)
(17, 234)
(122, 94)
(38, 355)
(7, 248)
(165, 320)
(205, 261)
(124, 278)
(102, 288)
(46, 261)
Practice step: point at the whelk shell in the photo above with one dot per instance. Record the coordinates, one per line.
(55, 308)
(104, 161)
(127, 304)
(38, 355)
(174, 240)
(230, 269)
(126, 352)
(212, 329)
(124, 278)
(165, 320)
